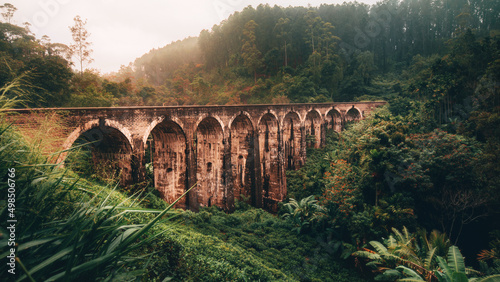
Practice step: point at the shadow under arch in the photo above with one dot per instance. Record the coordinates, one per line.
(353, 114)
(334, 120)
(166, 146)
(292, 137)
(312, 127)
(243, 159)
(110, 150)
(268, 129)
(210, 162)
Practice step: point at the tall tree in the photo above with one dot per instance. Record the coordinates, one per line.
(283, 33)
(314, 24)
(251, 55)
(9, 11)
(81, 47)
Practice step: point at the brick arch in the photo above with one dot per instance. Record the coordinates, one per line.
(209, 150)
(89, 126)
(333, 119)
(289, 114)
(207, 116)
(242, 113)
(169, 160)
(353, 110)
(269, 159)
(157, 121)
(268, 112)
(335, 109)
(243, 158)
(312, 125)
(112, 148)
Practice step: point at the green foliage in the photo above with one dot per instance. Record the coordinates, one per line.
(253, 244)
(252, 57)
(404, 258)
(50, 81)
(44, 73)
(87, 91)
(15, 91)
(402, 255)
(453, 269)
(304, 213)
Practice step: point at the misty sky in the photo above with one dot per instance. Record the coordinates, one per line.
(123, 30)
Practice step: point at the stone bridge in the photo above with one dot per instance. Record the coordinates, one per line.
(229, 152)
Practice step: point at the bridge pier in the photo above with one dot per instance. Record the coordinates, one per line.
(138, 163)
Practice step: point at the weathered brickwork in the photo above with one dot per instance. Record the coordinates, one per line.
(228, 152)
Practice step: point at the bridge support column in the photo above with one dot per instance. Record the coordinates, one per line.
(324, 127)
(227, 177)
(257, 194)
(192, 197)
(303, 148)
(138, 162)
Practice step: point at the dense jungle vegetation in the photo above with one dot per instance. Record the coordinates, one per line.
(411, 192)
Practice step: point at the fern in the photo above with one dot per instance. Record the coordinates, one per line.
(379, 247)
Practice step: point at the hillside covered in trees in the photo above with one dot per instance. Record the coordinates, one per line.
(406, 193)
(341, 52)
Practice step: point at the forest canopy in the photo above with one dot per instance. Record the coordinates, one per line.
(334, 52)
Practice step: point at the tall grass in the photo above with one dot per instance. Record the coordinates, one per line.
(16, 91)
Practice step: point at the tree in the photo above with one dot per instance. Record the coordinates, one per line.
(51, 77)
(81, 46)
(251, 55)
(328, 37)
(9, 11)
(283, 33)
(314, 24)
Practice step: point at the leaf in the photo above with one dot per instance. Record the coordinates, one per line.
(391, 242)
(400, 236)
(459, 277)
(92, 264)
(368, 255)
(442, 277)
(429, 258)
(49, 261)
(446, 269)
(116, 242)
(410, 272)
(34, 243)
(381, 249)
(492, 278)
(456, 260)
(388, 275)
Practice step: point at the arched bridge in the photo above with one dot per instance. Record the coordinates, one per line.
(231, 152)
